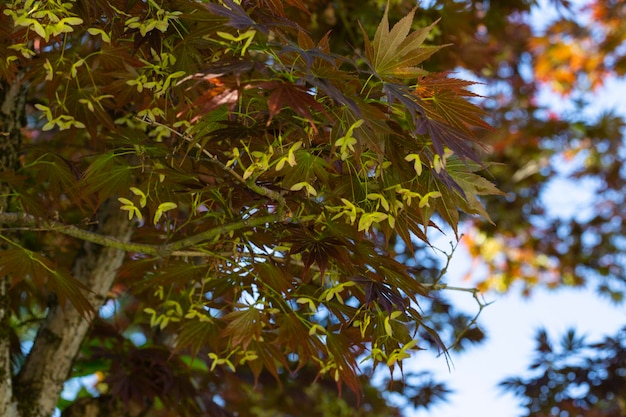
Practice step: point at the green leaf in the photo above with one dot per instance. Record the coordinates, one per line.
(163, 207)
(367, 219)
(417, 162)
(129, 206)
(394, 53)
(95, 31)
(38, 28)
(308, 168)
(73, 21)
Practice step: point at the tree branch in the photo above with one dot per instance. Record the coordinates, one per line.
(170, 249)
(190, 241)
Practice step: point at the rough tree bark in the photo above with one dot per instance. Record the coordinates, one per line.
(35, 390)
(12, 119)
(40, 381)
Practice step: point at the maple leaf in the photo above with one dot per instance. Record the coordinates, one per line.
(278, 9)
(196, 334)
(332, 91)
(395, 53)
(319, 62)
(473, 185)
(400, 93)
(443, 135)
(381, 293)
(308, 167)
(211, 100)
(107, 175)
(299, 4)
(274, 277)
(243, 326)
(445, 124)
(318, 249)
(440, 81)
(443, 98)
(459, 186)
(293, 96)
(23, 264)
(158, 373)
(347, 366)
(295, 336)
(68, 288)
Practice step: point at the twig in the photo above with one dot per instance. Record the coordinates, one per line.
(473, 321)
(438, 285)
(249, 183)
(444, 270)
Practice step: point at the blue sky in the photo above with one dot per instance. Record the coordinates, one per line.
(511, 323)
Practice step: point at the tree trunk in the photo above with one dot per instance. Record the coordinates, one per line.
(12, 119)
(58, 341)
(34, 392)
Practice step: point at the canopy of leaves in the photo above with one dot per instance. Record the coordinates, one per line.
(284, 179)
(271, 180)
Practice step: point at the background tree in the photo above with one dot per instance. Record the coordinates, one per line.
(576, 378)
(210, 205)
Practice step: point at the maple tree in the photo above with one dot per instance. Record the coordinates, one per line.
(518, 52)
(201, 200)
(538, 145)
(281, 164)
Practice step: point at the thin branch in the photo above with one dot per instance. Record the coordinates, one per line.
(473, 321)
(444, 270)
(216, 231)
(438, 286)
(170, 249)
(249, 183)
(444, 286)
